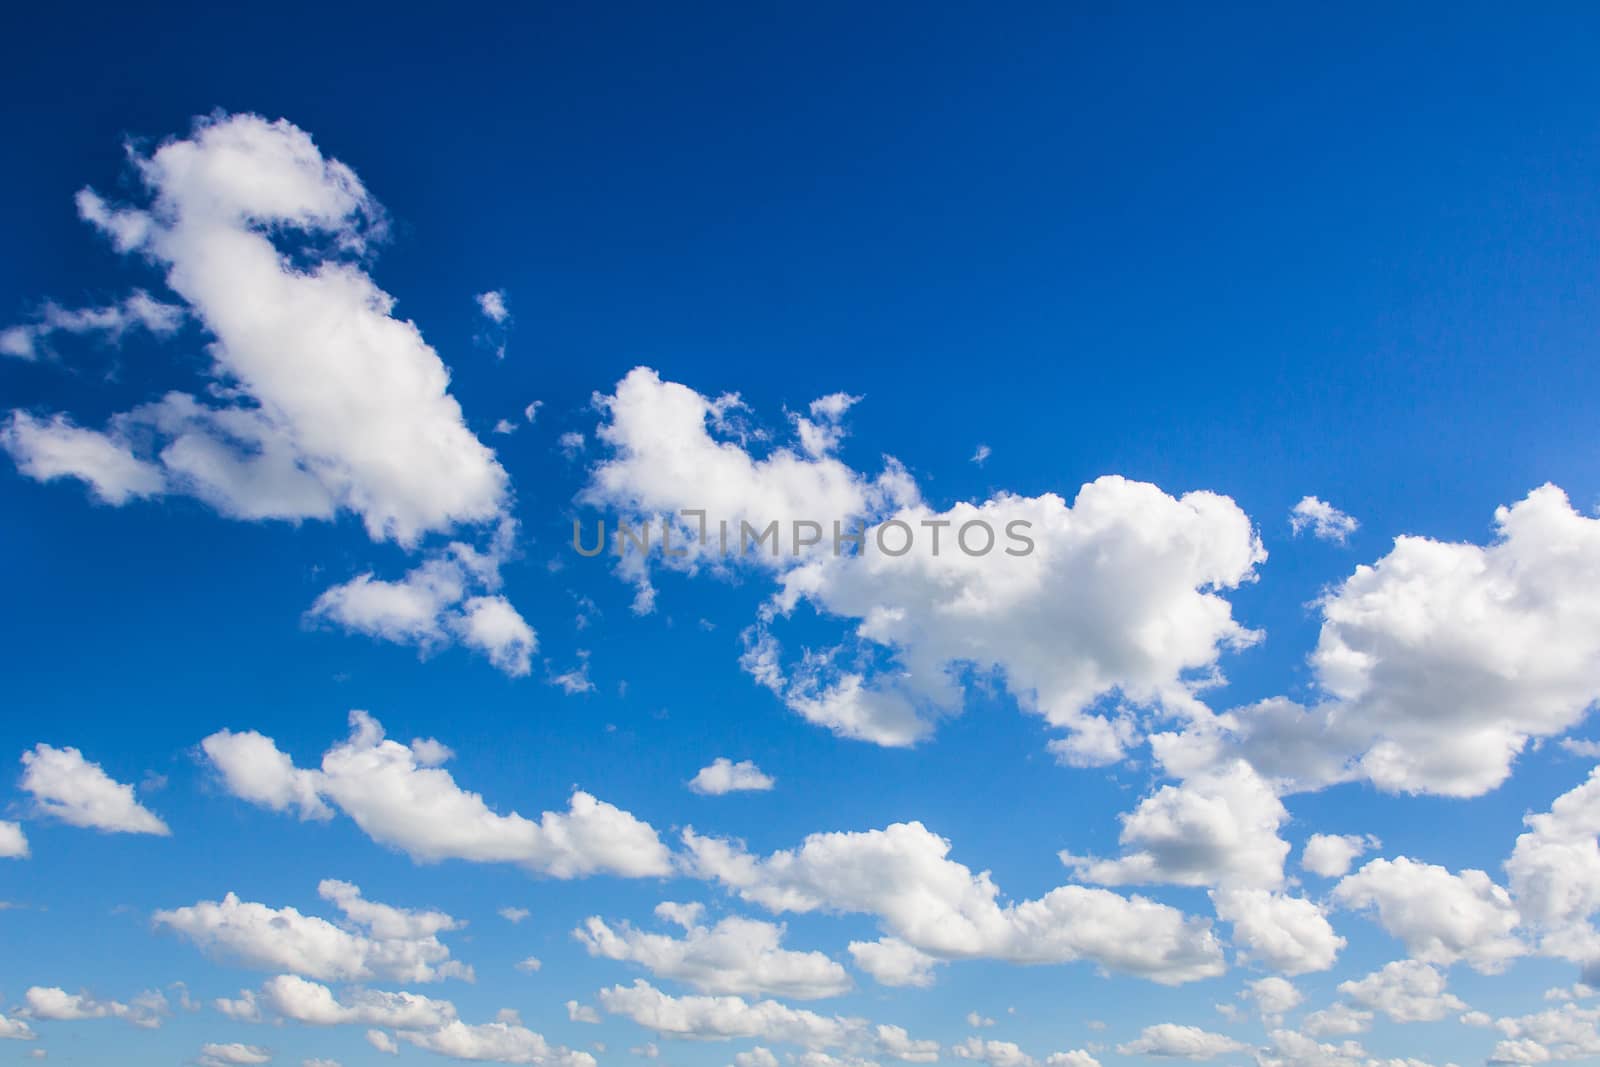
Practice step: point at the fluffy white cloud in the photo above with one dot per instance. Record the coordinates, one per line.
(386, 942)
(1439, 663)
(1440, 917)
(16, 1030)
(398, 797)
(1338, 1020)
(1407, 991)
(449, 597)
(892, 962)
(721, 1018)
(1216, 829)
(300, 1000)
(496, 1042)
(320, 399)
(1554, 873)
(1567, 1032)
(1326, 522)
(232, 1054)
(47, 449)
(1119, 594)
(993, 1053)
(1072, 1058)
(1292, 1049)
(722, 775)
(1273, 997)
(737, 955)
(1330, 855)
(68, 787)
(1288, 934)
(13, 842)
(1180, 1042)
(48, 1002)
(903, 876)
(354, 402)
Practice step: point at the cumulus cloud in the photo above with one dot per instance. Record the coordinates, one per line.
(377, 941)
(79, 792)
(400, 798)
(1272, 997)
(320, 400)
(723, 775)
(1440, 917)
(146, 1011)
(1119, 595)
(1438, 664)
(13, 842)
(1567, 1032)
(1407, 991)
(232, 1054)
(902, 876)
(1278, 931)
(736, 955)
(1554, 873)
(1180, 1042)
(1330, 855)
(1216, 829)
(720, 1018)
(496, 1042)
(1326, 522)
(493, 306)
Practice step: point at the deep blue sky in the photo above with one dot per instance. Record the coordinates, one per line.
(1345, 252)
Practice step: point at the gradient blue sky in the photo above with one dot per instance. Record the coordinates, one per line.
(1351, 254)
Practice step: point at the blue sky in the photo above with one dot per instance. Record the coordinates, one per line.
(1149, 282)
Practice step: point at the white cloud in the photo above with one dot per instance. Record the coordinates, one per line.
(1554, 873)
(892, 962)
(303, 1001)
(496, 1042)
(1567, 1032)
(977, 1021)
(381, 1041)
(1273, 997)
(1077, 1057)
(530, 965)
(1284, 933)
(47, 449)
(1440, 917)
(233, 1054)
(721, 1018)
(736, 955)
(1339, 1020)
(51, 1003)
(449, 597)
(993, 1053)
(1326, 522)
(982, 453)
(722, 775)
(68, 787)
(1439, 663)
(1330, 855)
(1120, 595)
(1180, 1042)
(514, 915)
(254, 769)
(13, 842)
(398, 798)
(903, 876)
(384, 942)
(16, 1030)
(493, 306)
(1216, 829)
(354, 402)
(138, 310)
(1407, 991)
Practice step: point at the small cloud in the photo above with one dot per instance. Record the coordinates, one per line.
(725, 776)
(1580, 747)
(581, 1013)
(531, 412)
(493, 306)
(514, 915)
(505, 426)
(976, 1020)
(576, 680)
(1326, 522)
(529, 965)
(981, 454)
(570, 443)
